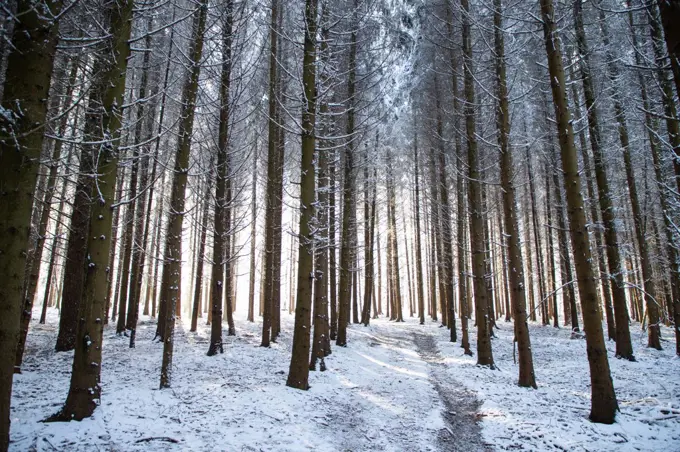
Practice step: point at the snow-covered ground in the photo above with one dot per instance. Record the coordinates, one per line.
(394, 387)
(555, 416)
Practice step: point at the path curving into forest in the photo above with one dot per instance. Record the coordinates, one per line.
(461, 406)
(457, 428)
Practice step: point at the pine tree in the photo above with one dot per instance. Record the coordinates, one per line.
(27, 84)
(603, 399)
(298, 374)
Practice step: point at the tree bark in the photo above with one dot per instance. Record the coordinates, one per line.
(172, 267)
(516, 266)
(603, 398)
(298, 374)
(27, 83)
(102, 133)
(623, 344)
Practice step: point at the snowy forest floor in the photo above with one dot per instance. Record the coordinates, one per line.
(394, 387)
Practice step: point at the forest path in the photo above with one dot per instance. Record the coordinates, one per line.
(463, 432)
(386, 391)
(411, 353)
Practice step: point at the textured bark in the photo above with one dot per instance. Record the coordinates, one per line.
(298, 374)
(603, 398)
(447, 269)
(253, 238)
(604, 193)
(477, 244)
(332, 259)
(321, 340)
(102, 133)
(143, 134)
(594, 215)
(172, 267)
(551, 249)
(272, 162)
(419, 256)
(222, 220)
(349, 197)
(198, 288)
(537, 243)
(27, 83)
(516, 266)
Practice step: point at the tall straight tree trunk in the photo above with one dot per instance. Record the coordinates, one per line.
(396, 279)
(198, 288)
(222, 193)
(435, 251)
(445, 234)
(603, 399)
(419, 256)
(102, 133)
(379, 288)
(172, 268)
(477, 245)
(551, 247)
(460, 201)
(27, 84)
(594, 215)
(462, 253)
(613, 75)
(370, 264)
(144, 132)
(277, 249)
(332, 261)
(272, 162)
(34, 263)
(409, 280)
(298, 374)
(321, 340)
(568, 293)
(537, 242)
(516, 268)
(253, 237)
(128, 244)
(606, 205)
(349, 195)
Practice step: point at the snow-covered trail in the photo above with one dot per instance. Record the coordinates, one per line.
(395, 387)
(415, 377)
(385, 391)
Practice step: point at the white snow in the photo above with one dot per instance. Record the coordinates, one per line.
(377, 394)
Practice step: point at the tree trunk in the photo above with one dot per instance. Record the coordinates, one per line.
(222, 219)
(516, 268)
(477, 245)
(253, 237)
(272, 162)
(103, 132)
(298, 375)
(172, 268)
(603, 398)
(349, 196)
(606, 205)
(198, 288)
(27, 82)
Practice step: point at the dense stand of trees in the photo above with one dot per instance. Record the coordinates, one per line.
(461, 162)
